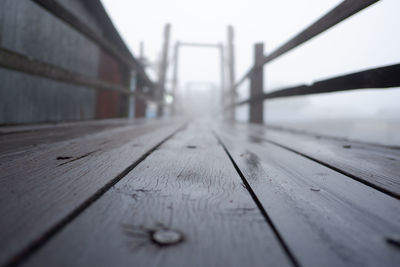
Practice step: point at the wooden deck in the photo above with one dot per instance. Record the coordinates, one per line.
(198, 193)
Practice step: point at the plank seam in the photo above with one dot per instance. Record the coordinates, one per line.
(253, 195)
(41, 241)
(352, 176)
(293, 131)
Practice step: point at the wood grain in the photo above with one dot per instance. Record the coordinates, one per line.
(27, 138)
(189, 185)
(324, 217)
(377, 166)
(39, 190)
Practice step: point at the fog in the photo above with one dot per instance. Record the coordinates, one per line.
(366, 40)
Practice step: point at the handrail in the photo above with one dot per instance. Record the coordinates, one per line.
(383, 77)
(338, 14)
(15, 61)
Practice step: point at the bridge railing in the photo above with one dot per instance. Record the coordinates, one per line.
(17, 61)
(383, 77)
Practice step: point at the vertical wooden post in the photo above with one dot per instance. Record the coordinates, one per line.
(222, 59)
(231, 74)
(175, 77)
(133, 86)
(140, 104)
(256, 85)
(163, 69)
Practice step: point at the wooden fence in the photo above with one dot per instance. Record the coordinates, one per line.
(383, 77)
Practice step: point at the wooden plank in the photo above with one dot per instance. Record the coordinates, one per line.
(374, 165)
(40, 192)
(188, 185)
(19, 128)
(23, 139)
(324, 217)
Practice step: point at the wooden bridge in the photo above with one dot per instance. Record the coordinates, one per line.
(178, 191)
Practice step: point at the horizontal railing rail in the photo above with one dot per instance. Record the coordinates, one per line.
(18, 62)
(383, 77)
(340, 13)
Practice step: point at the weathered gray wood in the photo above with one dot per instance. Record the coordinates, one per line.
(164, 63)
(188, 185)
(230, 94)
(324, 217)
(19, 128)
(175, 77)
(382, 77)
(40, 191)
(24, 139)
(257, 86)
(377, 166)
(19, 62)
(122, 53)
(27, 99)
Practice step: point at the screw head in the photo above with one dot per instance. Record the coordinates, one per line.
(167, 237)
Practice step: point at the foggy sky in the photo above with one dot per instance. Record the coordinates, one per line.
(368, 39)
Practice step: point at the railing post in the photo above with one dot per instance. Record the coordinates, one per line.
(175, 78)
(163, 69)
(256, 85)
(231, 74)
(140, 104)
(222, 61)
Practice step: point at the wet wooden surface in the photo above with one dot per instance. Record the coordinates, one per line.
(41, 187)
(188, 185)
(375, 165)
(178, 193)
(325, 217)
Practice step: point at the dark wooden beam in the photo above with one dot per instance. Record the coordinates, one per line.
(383, 77)
(230, 93)
(175, 78)
(341, 12)
(257, 86)
(163, 69)
(18, 62)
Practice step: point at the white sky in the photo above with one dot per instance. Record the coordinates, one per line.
(369, 39)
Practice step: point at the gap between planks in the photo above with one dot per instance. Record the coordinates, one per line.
(201, 184)
(259, 204)
(378, 172)
(37, 244)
